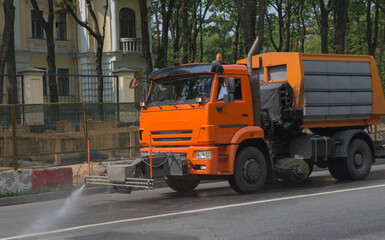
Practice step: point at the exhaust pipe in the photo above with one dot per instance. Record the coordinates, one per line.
(254, 83)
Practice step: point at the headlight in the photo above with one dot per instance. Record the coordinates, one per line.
(203, 154)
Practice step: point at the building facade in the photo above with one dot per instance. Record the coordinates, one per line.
(76, 48)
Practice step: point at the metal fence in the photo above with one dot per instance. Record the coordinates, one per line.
(6, 79)
(82, 88)
(28, 130)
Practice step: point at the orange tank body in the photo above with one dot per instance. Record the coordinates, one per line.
(334, 90)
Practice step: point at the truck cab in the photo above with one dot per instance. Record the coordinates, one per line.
(203, 112)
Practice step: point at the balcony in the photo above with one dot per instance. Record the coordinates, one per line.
(131, 45)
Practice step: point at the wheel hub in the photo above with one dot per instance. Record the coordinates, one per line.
(252, 170)
(358, 159)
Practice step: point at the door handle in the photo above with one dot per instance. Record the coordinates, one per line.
(244, 115)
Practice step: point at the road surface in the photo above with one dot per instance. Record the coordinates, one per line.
(321, 208)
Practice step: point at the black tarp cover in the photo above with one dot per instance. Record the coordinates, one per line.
(270, 99)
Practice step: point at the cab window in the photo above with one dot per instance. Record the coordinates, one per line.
(222, 89)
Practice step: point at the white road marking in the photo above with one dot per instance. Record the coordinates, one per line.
(192, 211)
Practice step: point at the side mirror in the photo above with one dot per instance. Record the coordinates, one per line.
(230, 85)
(134, 83)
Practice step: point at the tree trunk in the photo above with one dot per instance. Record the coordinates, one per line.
(99, 71)
(276, 48)
(185, 31)
(157, 31)
(48, 29)
(193, 39)
(9, 16)
(202, 18)
(324, 23)
(236, 40)
(261, 25)
(11, 71)
(303, 36)
(53, 91)
(372, 36)
(248, 16)
(340, 25)
(281, 26)
(166, 15)
(287, 25)
(145, 35)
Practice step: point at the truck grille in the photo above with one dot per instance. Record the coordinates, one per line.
(172, 136)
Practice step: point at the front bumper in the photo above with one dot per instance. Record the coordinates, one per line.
(191, 165)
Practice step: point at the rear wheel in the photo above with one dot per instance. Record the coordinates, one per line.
(182, 183)
(359, 160)
(250, 171)
(356, 166)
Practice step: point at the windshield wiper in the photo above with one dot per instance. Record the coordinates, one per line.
(173, 105)
(158, 105)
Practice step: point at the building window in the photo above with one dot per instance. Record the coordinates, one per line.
(61, 26)
(64, 82)
(127, 23)
(37, 27)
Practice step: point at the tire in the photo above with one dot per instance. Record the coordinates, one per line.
(250, 171)
(359, 160)
(356, 166)
(311, 168)
(338, 169)
(182, 183)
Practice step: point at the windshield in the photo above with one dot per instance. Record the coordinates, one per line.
(180, 89)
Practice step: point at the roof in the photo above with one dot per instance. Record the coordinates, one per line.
(214, 67)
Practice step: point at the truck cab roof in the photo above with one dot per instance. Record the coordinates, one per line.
(195, 68)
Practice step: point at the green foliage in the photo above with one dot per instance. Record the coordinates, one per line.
(219, 28)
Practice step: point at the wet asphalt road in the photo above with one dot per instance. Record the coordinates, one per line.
(321, 208)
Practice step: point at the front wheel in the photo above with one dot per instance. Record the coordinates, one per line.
(182, 183)
(250, 171)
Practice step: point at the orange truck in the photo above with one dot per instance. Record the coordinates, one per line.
(270, 116)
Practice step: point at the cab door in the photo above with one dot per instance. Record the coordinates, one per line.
(230, 117)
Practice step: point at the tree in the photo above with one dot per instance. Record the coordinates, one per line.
(261, 24)
(277, 5)
(202, 19)
(51, 63)
(166, 16)
(175, 34)
(324, 23)
(145, 35)
(98, 34)
(247, 14)
(303, 25)
(7, 54)
(340, 18)
(185, 31)
(372, 36)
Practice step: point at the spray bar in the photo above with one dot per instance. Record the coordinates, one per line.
(130, 182)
